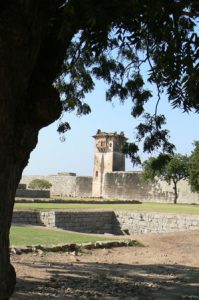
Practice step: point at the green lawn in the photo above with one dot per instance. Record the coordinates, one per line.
(26, 235)
(148, 207)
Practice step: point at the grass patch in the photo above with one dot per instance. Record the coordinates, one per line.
(26, 236)
(147, 207)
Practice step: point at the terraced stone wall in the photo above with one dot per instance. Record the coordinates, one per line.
(120, 222)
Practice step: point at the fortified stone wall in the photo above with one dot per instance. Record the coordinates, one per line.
(120, 222)
(84, 186)
(110, 181)
(130, 186)
(63, 184)
(23, 193)
(125, 186)
(117, 186)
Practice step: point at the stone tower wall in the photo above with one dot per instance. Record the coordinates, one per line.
(108, 157)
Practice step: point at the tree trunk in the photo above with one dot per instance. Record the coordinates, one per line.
(31, 54)
(8, 184)
(175, 192)
(13, 158)
(15, 149)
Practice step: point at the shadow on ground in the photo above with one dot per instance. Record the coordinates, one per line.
(109, 281)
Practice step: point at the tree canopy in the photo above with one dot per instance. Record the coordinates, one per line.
(40, 184)
(115, 45)
(171, 168)
(194, 168)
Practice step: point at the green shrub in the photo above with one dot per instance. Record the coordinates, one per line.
(40, 184)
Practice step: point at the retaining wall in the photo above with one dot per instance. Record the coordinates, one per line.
(119, 222)
(26, 217)
(139, 222)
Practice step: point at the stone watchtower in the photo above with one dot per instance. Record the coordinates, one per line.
(109, 157)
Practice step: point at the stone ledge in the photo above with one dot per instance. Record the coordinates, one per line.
(74, 247)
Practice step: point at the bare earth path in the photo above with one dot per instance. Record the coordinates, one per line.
(167, 267)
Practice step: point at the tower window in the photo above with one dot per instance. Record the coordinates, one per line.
(110, 144)
(96, 174)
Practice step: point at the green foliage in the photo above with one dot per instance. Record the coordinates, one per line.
(168, 167)
(194, 168)
(113, 42)
(171, 168)
(40, 184)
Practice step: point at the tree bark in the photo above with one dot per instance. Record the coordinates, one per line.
(14, 156)
(8, 183)
(34, 36)
(175, 192)
(31, 54)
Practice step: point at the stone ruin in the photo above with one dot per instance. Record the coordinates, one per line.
(110, 180)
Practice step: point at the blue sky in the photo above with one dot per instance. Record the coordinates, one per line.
(76, 154)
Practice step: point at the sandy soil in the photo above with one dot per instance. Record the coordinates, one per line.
(166, 267)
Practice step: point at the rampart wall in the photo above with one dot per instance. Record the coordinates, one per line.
(27, 193)
(117, 186)
(63, 185)
(84, 186)
(130, 186)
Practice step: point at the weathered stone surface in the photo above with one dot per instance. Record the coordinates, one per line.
(83, 186)
(109, 157)
(116, 186)
(73, 247)
(27, 193)
(63, 184)
(119, 222)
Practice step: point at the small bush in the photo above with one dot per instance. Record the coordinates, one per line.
(40, 184)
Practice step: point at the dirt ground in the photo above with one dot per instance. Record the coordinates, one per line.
(166, 267)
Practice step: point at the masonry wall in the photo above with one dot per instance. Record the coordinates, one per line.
(81, 221)
(32, 193)
(26, 217)
(117, 186)
(125, 186)
(141, 222)
(119, 222)
(88, 222)
(84, 186)
(130, 186)
(62, 184)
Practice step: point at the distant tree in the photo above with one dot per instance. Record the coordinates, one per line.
(40, 184)
(171, 168)
(193, 168)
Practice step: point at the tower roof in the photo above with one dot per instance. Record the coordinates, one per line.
(101, 134)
